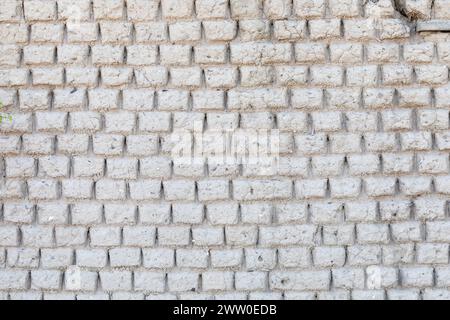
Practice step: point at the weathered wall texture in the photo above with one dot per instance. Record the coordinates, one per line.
(94, 205)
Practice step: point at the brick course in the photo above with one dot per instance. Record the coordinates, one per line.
(95, 206)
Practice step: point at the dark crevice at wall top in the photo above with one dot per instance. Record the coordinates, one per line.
(423, 13)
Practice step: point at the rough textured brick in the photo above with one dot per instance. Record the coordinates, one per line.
(105, 236)
(309, 8)
(116, 280)
(329, 257)
(241, 235)
(307, 280)
(417, 277)
(37, 236)
(284, 235)
(348, 278)
(250, 281)
(77, 279)
(206, 236)
(217, 281)
(70, 236)
(262, 190)
(149, 281)
(18, 212)
(46, 279)
(158, 258)
(13, 279)
(125, 257)
(94, 258)
(56, 258)
(107, 189)
(174, 235)
(182, 281)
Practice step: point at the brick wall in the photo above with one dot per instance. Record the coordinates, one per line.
(354, 203)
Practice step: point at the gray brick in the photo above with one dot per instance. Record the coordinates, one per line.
(37, 236)
(9, 235)
(260, 259)
(23, 257)
(139, 236)
(56, 258)
(189, 258)
(125, 257)
(217, 281)
(13, 279)
(116, 280)
(46, 279)
(76, 279)
(307, 280)
(250, 281)
(92, 258)
(227, 258)
(288, 235)
(105, 236)
(158, 258)
(149, 281)
(174, 236)
(182, 281)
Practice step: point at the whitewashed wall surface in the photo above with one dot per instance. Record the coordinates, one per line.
(224, 149)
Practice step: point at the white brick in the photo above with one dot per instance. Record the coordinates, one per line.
(116, 280)
(105, 236)
(306, 280)
(149, 281)
(182, 281)
(12, 280)
(158, 258)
